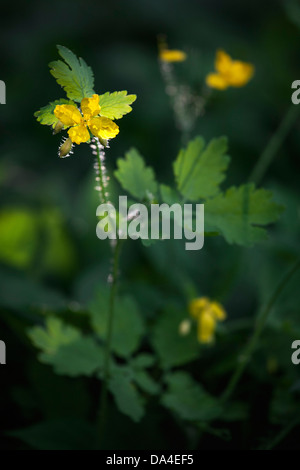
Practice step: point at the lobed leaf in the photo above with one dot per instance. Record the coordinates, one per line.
(135, 177)
(188, 399)
(128, 326)
(115, 105)
(172, 348)
(126, 395)
(199, 170)
(54, 335)
(240, 213)
(73, 75)
(80, 357)
(46, 114)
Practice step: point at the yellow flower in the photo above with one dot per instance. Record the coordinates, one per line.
(207, 313)
(229, 72)
(90, 118)
(172, 55)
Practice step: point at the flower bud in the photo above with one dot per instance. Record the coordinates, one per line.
(103, 142)
(65, 148)
(58, 127)
(184, 327)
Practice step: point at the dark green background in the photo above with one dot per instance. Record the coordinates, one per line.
(119, 41)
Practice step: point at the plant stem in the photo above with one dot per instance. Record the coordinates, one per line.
(109, 335)
(98, 151)
(274, 144)
(282, 434)
(260, 323)
(116, 255)
(101, 179)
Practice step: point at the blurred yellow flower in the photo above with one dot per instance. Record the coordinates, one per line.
(90, 118)
(207, 313)
(172, 55)
(229, 72)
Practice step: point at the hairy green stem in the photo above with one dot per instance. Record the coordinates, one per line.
(260, 323)
(109, 336)
(274, 144)
(98, 151)
(101, 180)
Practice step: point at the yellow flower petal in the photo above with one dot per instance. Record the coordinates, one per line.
(240, 73)
(90, 107)
(103, 127)
(217, 311)
(229, 72)
(206, 328)
(79, 134)
(68, 114)
(196, 306)
(223, 62)
(172, 55)
(214, 80)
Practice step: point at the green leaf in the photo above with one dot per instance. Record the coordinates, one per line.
(143, 361)
(238, 212)
(198, 170)
(81, 357)
(59, 253)
(55, 334)
(18, 237)
(74, 75)
(18, 292)
(169, 195)
(46, 114)
(172, 348)
(188, 399)
(128, 325)
(235, 411)
(141, 377)
(115, 105)
(144, 380)
(125, 393)
(135, 177)
(63, 434)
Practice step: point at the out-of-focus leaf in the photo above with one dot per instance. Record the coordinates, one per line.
(128, 325)
(144, 380)
(54, 335)
(240, 214)
(235, 411)
(67, 434)
(142, 377)
(18, 236)
(135, 177)
(143, 361)
(58, 256)
(18, 292)
(35, 239)
(284, 406)
(188, 399)
(172, 348)
(125, 393)
(80, 357)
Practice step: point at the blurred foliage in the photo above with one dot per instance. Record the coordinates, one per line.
(165, 388)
